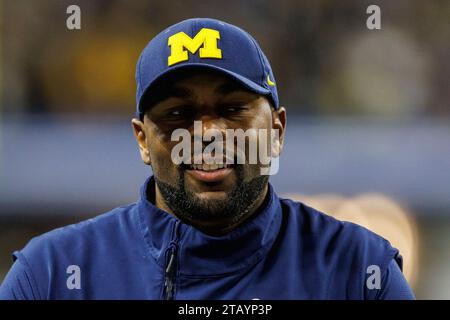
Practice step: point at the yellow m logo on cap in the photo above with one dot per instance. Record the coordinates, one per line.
(180, 43)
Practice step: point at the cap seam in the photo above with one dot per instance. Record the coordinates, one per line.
(259, 55)
(275, 102)
(193, 25)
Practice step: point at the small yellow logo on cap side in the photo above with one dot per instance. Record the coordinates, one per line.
(180, 43)
(270, 82)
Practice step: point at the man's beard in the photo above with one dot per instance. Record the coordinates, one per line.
(189, 207)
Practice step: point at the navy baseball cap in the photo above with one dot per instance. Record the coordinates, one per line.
(209, 44)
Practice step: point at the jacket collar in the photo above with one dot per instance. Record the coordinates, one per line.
(200, 254)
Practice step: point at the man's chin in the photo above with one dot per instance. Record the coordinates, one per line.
(200, 201)
(212, 197)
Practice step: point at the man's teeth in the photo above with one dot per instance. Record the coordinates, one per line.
(208, 167)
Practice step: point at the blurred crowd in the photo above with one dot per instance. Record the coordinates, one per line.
(326, 61)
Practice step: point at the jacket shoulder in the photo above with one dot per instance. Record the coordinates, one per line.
(341, 238)
(47, 256)
(85, 230)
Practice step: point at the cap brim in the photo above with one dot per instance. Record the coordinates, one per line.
(246, 83)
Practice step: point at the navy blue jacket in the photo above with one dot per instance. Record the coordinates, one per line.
(288, 251)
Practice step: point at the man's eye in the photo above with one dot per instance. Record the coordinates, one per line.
(233, 109)
(176, 113)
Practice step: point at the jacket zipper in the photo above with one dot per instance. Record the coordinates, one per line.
(170, 271)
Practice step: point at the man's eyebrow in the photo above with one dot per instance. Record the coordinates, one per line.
(230, 87)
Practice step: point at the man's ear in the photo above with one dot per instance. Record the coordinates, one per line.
(141, 138)
(279, 124)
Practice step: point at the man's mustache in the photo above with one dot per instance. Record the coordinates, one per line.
(224, 156)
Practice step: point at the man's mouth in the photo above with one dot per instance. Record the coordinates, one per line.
(209, 172)
(208, 167)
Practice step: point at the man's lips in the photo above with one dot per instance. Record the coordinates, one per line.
(209, 173)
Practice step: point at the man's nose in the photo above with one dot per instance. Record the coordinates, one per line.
(205, 130)
(212, 123)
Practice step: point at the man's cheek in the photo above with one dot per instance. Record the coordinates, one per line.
(163, 167)
(251, 171)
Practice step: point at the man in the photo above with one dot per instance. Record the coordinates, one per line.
(202, 229)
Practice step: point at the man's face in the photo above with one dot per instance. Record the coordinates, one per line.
(195, 192)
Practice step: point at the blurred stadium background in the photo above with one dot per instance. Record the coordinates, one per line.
(368, 136)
